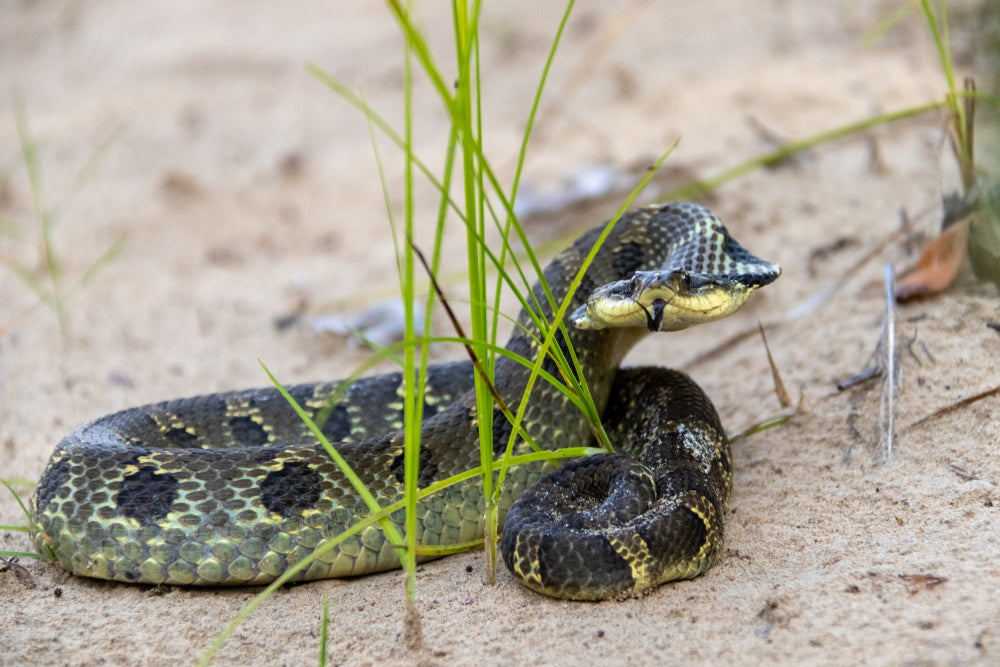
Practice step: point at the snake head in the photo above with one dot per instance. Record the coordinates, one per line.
(668, 300)
(691, 270)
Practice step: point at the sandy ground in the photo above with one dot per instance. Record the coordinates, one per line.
(247, 192)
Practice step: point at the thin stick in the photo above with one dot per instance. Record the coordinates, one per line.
(888, 405)
(458, 329)
(779, 387)
(955, 406)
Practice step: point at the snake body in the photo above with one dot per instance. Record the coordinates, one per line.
(232, 488)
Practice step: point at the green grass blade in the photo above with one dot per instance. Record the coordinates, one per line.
(9, 228)
(43, 217)
(83, 175)
(959, 123)
(511, 217)
(22, 554)
(373, 116)
(29, 153)
(30, 279)
(419, 45)
(17, 497)
(381, 515)
(106, 258)
(413, 392)
(549, 334)
(449, 549)
(941, 40)
(391, 534)
(376, 515)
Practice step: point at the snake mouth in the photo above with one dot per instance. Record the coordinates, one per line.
(668, 300)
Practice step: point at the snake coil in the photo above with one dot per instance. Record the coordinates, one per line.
(231, 488)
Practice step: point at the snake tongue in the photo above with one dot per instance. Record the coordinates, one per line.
(655, 320)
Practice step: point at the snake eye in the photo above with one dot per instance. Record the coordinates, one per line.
(699, 281)
(679, 281)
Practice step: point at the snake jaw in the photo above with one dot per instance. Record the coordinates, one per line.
(622, 304)
(662, 301)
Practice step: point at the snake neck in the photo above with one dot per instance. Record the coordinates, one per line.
(551, 417)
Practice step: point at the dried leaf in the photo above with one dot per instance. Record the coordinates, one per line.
(938, 264)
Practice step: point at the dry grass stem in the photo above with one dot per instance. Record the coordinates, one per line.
(892, 378)
(961, 403)
(779, 387)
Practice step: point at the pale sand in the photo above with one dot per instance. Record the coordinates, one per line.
(249, 190)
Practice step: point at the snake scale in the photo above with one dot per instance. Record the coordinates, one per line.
(231, 488)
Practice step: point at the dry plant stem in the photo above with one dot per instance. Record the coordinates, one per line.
(459, 331)
(787, 410)
(955, 406)
(890, 362)
(886, 363)
(413, 635)
(779, 387)
(863, 376)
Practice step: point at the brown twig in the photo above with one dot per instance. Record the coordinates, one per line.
(863, 376)
(779, 387)
(787, 409)
(461, 333)
(955, 406)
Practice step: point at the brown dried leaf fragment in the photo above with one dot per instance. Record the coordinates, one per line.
(938, 264)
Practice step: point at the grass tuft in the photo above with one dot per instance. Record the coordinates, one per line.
(51, 288)
(29, 528)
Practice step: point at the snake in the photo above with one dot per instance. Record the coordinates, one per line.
(234, 488)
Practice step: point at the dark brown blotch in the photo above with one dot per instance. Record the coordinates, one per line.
(179, 437)
(292, 489)
(146, 495)
(248, 432)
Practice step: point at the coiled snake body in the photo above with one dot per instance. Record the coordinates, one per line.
(232, 488)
